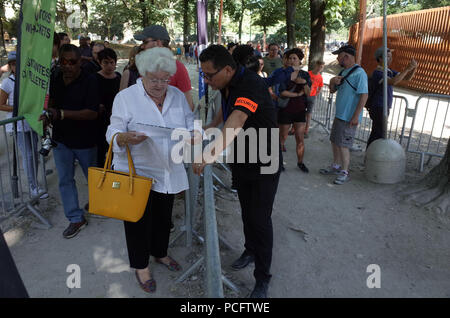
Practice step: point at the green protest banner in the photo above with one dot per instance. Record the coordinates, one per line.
(34, 55)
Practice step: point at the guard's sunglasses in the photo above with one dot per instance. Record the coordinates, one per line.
(68, 62)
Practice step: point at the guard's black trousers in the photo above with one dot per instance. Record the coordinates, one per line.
(256, 198)
(150, 235)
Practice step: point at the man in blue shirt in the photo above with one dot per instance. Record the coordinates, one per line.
(352, 93)
(375, 102)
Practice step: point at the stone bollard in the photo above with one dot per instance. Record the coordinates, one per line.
(385, 162)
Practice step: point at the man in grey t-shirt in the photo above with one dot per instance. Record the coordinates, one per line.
(272, 61)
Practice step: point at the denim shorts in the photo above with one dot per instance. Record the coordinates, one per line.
(342, 134)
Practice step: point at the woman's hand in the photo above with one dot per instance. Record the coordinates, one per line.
(300, 80)
(130, 138)
(198, 167)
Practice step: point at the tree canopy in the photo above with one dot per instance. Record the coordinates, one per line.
(258, 17)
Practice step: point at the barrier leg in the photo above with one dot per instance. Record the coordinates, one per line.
(46, 224)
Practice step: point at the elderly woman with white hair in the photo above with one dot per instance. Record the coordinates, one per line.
(151, 101)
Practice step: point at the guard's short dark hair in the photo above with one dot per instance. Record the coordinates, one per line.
(272, 44)
(242, 53)
(107, 53)
(218, 55)
(62, 35)
(297, 52)
(70, 48)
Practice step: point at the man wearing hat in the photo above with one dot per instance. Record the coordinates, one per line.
(352, 92)
(375, 102)
(157, 36)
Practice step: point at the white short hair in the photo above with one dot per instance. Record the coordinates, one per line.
(156, 59)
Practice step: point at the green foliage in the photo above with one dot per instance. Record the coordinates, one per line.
(267, 12)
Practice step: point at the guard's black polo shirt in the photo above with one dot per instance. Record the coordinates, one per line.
(249, 93)
(81, 94)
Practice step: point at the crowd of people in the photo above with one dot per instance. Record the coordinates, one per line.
(91, 106)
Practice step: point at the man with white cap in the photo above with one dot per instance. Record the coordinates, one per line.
(375, 101)
(157, 36)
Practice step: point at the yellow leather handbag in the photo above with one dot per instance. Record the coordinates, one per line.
(116, 194)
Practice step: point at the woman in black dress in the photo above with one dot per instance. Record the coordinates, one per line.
(109, 83)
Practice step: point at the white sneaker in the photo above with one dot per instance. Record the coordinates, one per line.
(342, 178)
(35, 192)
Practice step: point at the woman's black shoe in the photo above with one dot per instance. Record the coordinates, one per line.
(303, 167)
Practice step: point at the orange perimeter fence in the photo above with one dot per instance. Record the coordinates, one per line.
(422, 35)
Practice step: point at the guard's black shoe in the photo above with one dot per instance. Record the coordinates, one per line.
(260, 290)
(242, 262)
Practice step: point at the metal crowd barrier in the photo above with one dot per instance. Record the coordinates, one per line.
(398, 115)
(211, 257)
(430, 128)
(22, 171)
(422, 130)
(325, 108)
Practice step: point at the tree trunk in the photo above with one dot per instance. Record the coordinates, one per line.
(145, 17)
(264, 38)
(290, 23)
(186, 21)
(433, 191)
(212, 24)
(241, 19)
(220, 22)
(2, 17)
(84, 16)
(317, 45)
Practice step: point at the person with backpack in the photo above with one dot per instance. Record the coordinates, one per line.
(352, 92)
(375, 101)
(294, 113)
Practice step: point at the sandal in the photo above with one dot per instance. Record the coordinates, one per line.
(172, 266)
(149, 286)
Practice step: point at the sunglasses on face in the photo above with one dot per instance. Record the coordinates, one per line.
(209, 76)
(68, 62)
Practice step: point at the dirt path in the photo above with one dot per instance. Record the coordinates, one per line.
(325, 236)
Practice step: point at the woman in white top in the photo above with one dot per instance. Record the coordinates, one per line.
(151, 101)
(27, 139)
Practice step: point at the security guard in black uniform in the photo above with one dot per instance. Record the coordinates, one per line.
(247, 105)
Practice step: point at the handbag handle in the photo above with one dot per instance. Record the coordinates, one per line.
(107, 166)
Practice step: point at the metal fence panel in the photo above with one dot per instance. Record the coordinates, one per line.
(22, 171)
(325, 109)
(430, 128)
